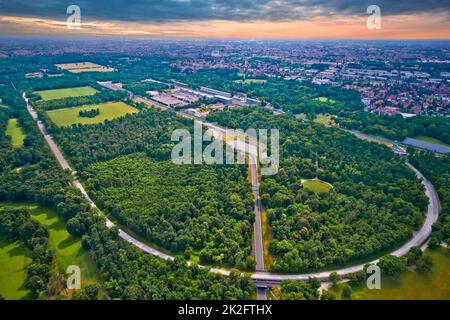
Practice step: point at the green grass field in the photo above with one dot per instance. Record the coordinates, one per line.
(323, 99)
(412, 285)
(431, 140)
(15, 132)
(68, 249)
(66, 93)
(316, 186)
(108, 111)
(14, 259)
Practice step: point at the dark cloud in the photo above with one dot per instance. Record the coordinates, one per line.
(237, 10)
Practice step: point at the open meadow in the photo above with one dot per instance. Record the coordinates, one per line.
(411, 285)
(316, 186)
(108, 111)
(66, 93)
(14, 259)
(15, 132)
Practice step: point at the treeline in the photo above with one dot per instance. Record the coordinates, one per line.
(396, 127)
(89, 113)
(376, 203)
(141, 88)
(437, 170)
(198, 210)
(100, 97)
(17, 225)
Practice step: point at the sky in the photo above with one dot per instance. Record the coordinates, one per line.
(229, 19)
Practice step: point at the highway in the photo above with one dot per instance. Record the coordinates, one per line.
(262, 278)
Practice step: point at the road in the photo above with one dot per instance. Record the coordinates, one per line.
(262, 278)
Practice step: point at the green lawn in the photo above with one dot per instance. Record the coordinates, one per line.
(68, 249)
(412, 285)
(15, 132)
(431, 140)
(316, 186)
(108, 111)
(66, 93)
(14, 259)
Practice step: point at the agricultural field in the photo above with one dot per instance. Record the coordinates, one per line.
(15, 132)
(411, 285)
(108, 111)
(84, 67)
(316, 186)
(14, 259)
(65, 93)
(68, 249)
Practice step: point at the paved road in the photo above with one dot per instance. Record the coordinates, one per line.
(266, 279)
(258, 245)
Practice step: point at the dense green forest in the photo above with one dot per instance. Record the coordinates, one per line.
(437, 170)
(148, 131)
(31, 174)
(202, 210)
(376, 203)
(131, 275)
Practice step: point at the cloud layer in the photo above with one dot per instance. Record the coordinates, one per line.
(165, 11)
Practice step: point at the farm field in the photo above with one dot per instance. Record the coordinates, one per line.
(14, 259)
(66, 93)
(431, 140)
(108, 111)
(316, 186)
(84, 67)
(15, 132)
(412, 285)
(68, 249)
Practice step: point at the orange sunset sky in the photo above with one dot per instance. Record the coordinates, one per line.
(266, 23)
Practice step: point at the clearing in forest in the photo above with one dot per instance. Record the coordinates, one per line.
(80, 67)
(108, 111)
(317, 186)
(15, 132)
